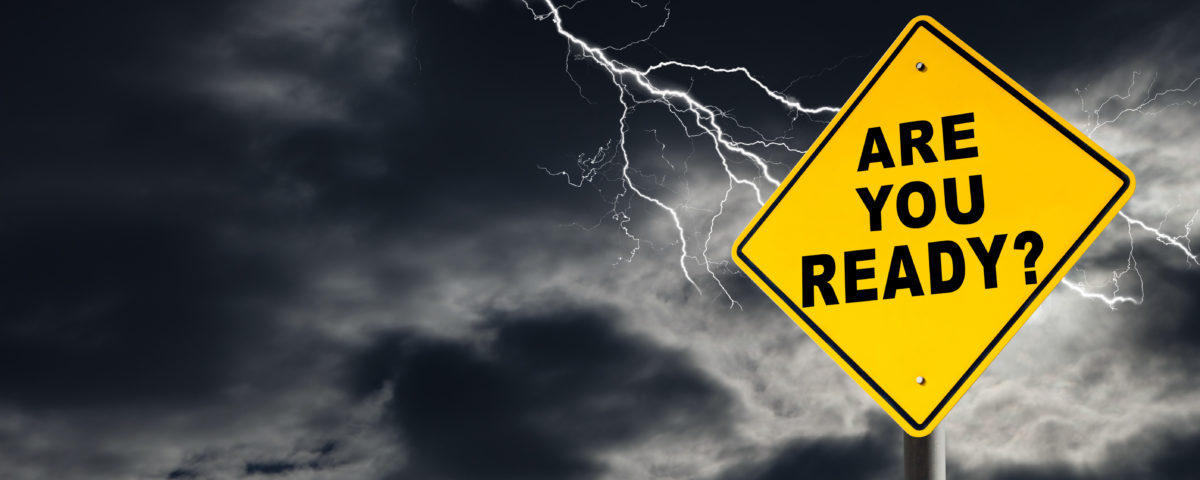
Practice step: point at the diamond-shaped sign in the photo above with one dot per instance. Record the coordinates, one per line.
(935, 213)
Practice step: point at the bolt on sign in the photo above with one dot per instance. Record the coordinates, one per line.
(936, 211)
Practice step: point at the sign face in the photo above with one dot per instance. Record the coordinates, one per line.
(935, 213)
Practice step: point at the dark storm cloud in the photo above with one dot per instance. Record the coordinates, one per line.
(142, 216)
(86, 97)
(1176, 457)
(126, 308)
(1172, 333)
(152, 210)
(121, 284)
(538, 399)
(1040, 472)
(1164, 453)
(145, 230)
(312, 460)
(271, 468)
(875, 454)
(1170, 282)
(317, 459)
(1161, 335)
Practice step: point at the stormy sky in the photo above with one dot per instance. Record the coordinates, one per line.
(321, 239)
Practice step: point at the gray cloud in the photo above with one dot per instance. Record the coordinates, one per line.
(539, 398)
(876, 454)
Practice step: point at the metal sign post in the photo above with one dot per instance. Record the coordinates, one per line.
(925, 457)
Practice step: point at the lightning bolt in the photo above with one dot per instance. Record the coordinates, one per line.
(635, 87)
(1147, 106)
(1181, 242)
(697, 119)
(1152, 103)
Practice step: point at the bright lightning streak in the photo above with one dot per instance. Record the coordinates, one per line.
(1151, 104)
(636, 87)
(1180, 242)
(1115, 298)
(1096, 121)
(1176, 241)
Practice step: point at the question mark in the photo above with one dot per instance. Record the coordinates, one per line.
(1029, 237)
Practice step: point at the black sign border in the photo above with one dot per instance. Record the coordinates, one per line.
(1029, 103)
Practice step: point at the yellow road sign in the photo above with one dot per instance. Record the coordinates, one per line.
(935, 213)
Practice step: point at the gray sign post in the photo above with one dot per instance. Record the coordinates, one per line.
(925, 457)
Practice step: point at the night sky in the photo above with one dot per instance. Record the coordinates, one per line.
(359, 239)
